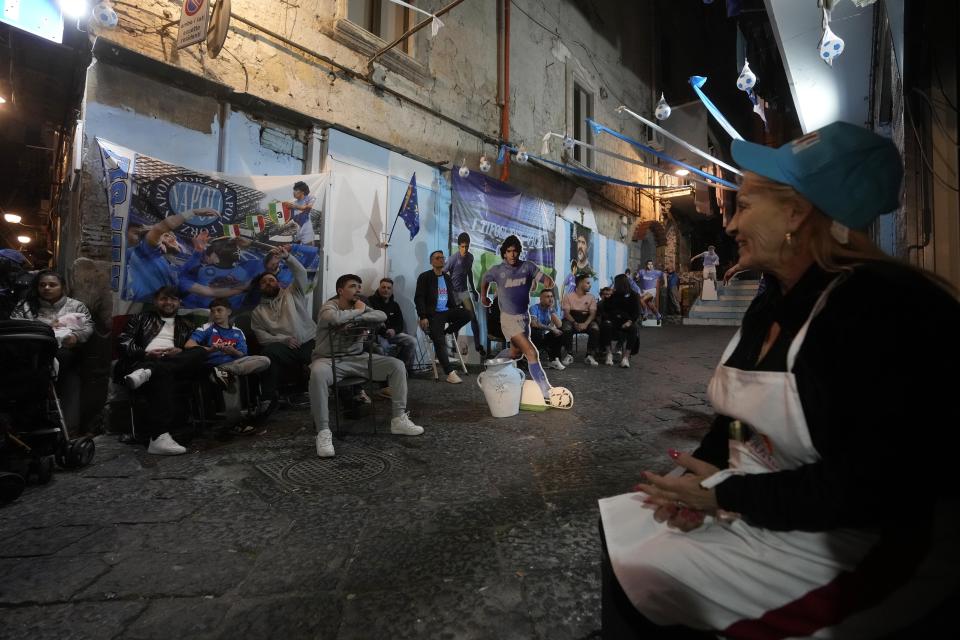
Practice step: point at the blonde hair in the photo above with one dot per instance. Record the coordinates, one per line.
(829, 253)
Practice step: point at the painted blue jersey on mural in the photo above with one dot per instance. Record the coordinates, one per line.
(236, 277)
(459, 268)
(147, 270)
(513, 285)
(649, 279)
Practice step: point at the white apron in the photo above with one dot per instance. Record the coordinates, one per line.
(749, 581)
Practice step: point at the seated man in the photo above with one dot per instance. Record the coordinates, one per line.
(439, 311)
(619, 312)
(282, 324)
(346, 310)
(154, 355)
(545, 329)
(579, 316)
(392, 333)
(226, 348)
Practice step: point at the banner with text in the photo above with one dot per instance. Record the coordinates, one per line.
(207, 234)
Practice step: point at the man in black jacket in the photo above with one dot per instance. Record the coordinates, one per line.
(153, 356)
(440, 313)
(392, 331)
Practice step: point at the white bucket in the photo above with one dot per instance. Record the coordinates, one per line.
(501, 384)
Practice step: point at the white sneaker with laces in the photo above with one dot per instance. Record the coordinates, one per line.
(453, 378)
(165, 445)
(609, 360)
(135, 379)
(325, 444)
(402, 425)
(556, 364)
(590, 360)
(625, 363)
(567, 360)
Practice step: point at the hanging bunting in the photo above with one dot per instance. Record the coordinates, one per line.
(697, 82)
(683, 143)
(435, 26)
(597, 128)
(501, 154)
(831, 45)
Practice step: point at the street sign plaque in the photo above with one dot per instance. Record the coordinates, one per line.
(194, 18)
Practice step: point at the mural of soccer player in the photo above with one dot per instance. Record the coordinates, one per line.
(513, 279)
(151, 261)
(302, 206)
(580, 247)
(216, 269)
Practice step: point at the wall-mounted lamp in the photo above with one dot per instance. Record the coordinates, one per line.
(12, 217)
(682, 172)
(23, 239)
(3, 100)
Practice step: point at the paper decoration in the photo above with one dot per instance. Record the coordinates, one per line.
(663, 110)
(522, 155)
(831, 45)
(747, 78)
(435, 26)
(568, 143)
(105, 16)
(484, 164)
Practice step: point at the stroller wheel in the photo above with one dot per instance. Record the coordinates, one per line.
(43, 467)
(80, 453)
(11, 486)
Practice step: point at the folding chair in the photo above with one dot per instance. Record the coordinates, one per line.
(344, 342)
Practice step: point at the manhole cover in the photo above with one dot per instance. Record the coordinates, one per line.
(344, 469)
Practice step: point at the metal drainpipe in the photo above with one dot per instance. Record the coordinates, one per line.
(505, 113)
(223, 117)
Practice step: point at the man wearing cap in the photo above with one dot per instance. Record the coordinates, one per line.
(812, 398)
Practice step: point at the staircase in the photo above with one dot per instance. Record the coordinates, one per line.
(728, 309)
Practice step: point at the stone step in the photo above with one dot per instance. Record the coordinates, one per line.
(724, 301)
(728, 313)
(718, 322)
(723, 295)
(704, 311)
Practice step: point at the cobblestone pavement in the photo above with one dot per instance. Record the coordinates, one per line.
(480, 528)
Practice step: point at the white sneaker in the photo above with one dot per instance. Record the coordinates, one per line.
(567, 360)
(625, 364)
(135, 380)
(402, 425)
(453, 378)
(590, 360)
(220, 377)
(609, 360)
(164, 444)
(556, 364)
(325, 444)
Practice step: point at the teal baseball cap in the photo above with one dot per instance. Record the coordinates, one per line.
(850, 173)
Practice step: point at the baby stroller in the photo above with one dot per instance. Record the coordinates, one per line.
(33, 434)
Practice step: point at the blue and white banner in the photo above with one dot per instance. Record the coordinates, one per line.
(207, 234)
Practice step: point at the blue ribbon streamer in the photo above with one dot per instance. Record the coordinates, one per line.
(590, 174)
(698, 81)
(597, 128)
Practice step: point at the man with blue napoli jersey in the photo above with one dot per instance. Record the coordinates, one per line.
(650, 281)
(149, 264)
(226, 348)
(514, 278)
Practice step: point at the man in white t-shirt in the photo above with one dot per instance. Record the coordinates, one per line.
(154, 357)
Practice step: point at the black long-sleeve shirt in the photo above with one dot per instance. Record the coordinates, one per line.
(881, 414)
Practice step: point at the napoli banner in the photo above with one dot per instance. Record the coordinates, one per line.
(490, 210)
(207, 234)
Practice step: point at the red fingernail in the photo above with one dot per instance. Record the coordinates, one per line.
(637, 487)
(673, 453)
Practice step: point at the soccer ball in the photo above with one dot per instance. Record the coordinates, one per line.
(561, 398)
(105, 16)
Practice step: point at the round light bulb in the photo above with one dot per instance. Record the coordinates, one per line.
(682, 172)
(23, 239)
(12, 217)
(73, 8)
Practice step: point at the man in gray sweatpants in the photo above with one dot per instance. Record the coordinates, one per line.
(346, 310)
